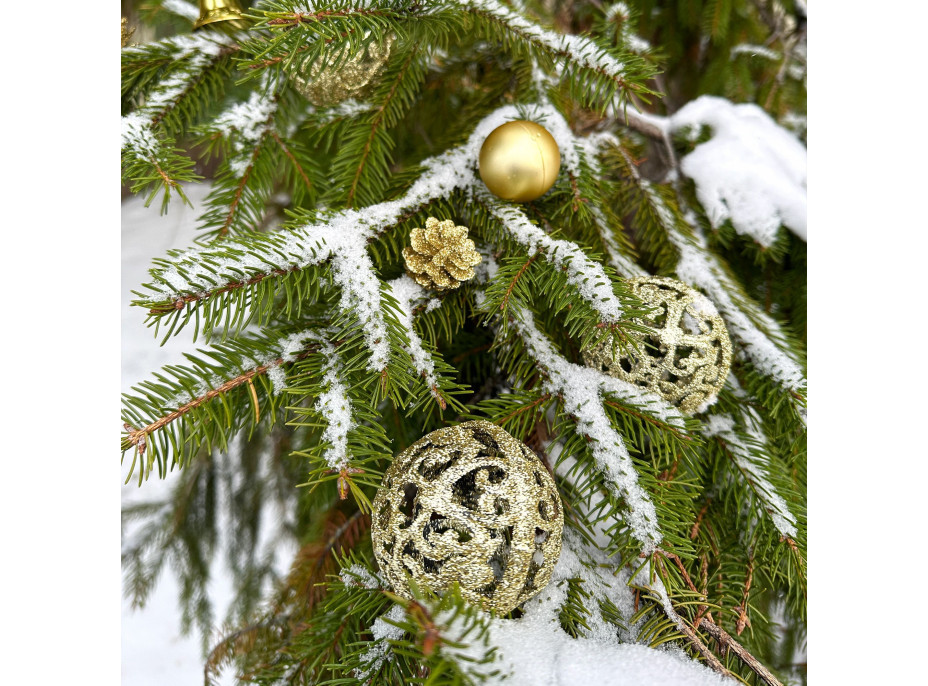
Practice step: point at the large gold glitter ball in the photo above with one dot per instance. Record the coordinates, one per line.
(519, 161)
(440, 256)
(687, 354)
(473, 505)
(353, 77)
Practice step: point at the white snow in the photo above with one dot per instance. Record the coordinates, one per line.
(250, 121)
(581, 50)
(581, 389)
(751, 172)
(182, 8)
(383, 632)
(407, 292)
(755, 51)
(536, 651)
(585, 274)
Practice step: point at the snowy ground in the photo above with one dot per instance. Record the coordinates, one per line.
(154, 652)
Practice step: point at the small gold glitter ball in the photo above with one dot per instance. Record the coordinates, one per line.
(686, 357)
(473, 505)
(353, 78)
(519, 161)
(440, 256)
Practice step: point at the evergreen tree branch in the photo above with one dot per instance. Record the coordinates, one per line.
(375, 124)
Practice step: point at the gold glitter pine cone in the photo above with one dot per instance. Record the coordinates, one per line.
(687, 357)
(473, 505)
(352, 78)
(440, 256)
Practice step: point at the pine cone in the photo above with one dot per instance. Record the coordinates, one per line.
(441, 255)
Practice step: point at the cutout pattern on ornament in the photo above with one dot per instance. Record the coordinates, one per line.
(473, 505)
(686, 357)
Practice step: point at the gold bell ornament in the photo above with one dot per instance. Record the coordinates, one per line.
(222, 15)
(519, 161)
(469, 504)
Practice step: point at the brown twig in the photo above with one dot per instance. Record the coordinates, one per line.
(702, 513)
(724, 639)
(710, 657)
(292, 158)
(650, 420)
(524, 408)
(137, 436)
(512, 284)
(743, 619)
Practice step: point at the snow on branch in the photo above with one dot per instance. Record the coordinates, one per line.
(246, 124)
(581, 390)
(750, 459)
(333, 405)
(576, 50)
(406, 291)
(588, 276)
(751, 171)
(342, 239)
(534, 649)
(182, 8)
(700, 269)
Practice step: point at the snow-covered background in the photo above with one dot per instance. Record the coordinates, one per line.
(153, 651)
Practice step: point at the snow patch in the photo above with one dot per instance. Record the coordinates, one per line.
(751, 172)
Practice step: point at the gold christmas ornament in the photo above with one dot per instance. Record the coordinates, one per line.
(519, 161)
(440, 256)
(222, 15)
(469, 504)
(687, 357)
(351, 79)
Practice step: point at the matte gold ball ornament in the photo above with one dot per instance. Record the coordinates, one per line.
(687, 356)
(352, 78)
(519, 161)
(473, 505)
(440, 256)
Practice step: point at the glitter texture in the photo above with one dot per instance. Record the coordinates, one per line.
(469, 504)
(687, 355)
(328, 87)
(440, 256)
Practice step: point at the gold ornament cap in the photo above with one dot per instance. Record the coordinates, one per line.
(686, 357)
(473, 505)
(440, 256)
(519, 161)
(223, 15)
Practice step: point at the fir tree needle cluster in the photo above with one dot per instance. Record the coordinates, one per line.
(321, 359)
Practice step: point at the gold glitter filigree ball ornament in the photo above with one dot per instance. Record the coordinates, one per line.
(351, 78)
(687, 356)
(440, 256)
(469, 504)
(519, 161)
